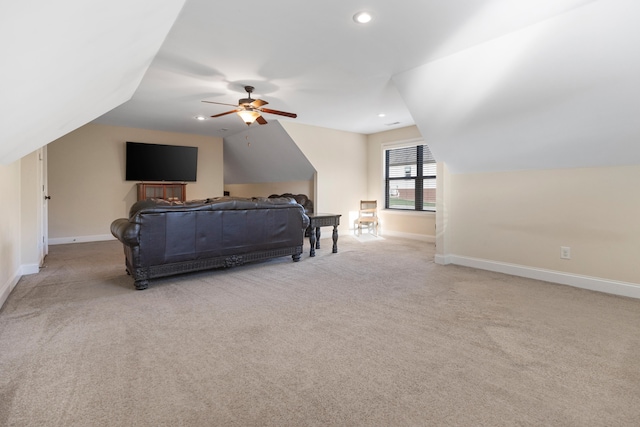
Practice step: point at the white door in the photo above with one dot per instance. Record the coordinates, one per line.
(44, 211)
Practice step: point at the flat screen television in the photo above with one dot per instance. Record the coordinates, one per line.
(156, 162)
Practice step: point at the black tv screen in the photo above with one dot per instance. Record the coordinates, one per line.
(156, 162)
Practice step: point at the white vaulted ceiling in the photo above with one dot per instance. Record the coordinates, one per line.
(491, 84)
(561, 93)
(64, 63)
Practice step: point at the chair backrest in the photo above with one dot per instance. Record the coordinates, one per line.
(368, 208)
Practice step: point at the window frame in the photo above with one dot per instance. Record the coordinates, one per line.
(419, 179)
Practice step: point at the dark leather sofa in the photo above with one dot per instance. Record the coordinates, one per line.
(301, 199)
(162, 238)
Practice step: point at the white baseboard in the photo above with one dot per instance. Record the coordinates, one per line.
(421, 237)
(80, 239)
(442, 259)
(26, 269)
(625, 289)
(7, 287)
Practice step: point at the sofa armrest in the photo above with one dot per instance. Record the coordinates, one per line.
(125, 231)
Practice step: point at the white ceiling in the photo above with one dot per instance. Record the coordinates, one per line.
(491, 84)
(563, 93)
(66, 62)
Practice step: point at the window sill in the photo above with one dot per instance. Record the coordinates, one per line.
(408, 212)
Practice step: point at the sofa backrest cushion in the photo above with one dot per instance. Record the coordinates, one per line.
(226, 225)
(301, 199)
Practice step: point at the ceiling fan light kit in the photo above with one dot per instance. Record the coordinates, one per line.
(248, 116)
(249, 109)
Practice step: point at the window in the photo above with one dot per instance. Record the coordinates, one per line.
(410, 179)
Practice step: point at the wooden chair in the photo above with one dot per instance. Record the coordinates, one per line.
(368, 216)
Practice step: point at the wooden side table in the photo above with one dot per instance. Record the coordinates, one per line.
(322, 220)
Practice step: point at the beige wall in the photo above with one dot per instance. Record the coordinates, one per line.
(86, 177)
(340, 159)
(10, 225)
(443, 208)
(417, 225)
(525, 217)
(268, 188)
(347, 173)
(20, 222)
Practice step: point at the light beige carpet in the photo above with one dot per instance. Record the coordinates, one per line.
(376, 335)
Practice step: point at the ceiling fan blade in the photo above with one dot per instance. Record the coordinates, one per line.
(261, 120)
(258, 103)
(281, 113)
(225, 113)
(220, 103)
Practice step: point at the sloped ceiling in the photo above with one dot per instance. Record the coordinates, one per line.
(264, 154)
(491, 84)
(562, 93)
(66, 62)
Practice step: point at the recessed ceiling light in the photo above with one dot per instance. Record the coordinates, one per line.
(362, 17)
(200, 118)
(381, 115)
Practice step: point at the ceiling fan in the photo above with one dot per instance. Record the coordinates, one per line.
(249, 109)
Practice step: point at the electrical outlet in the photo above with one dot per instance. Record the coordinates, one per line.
(565, 252)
